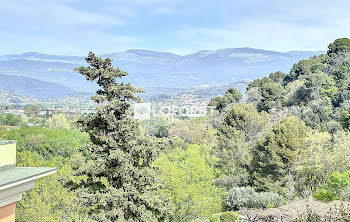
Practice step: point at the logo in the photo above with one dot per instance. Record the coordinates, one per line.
(142, 111)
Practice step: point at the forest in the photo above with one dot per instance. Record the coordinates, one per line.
(286, 140)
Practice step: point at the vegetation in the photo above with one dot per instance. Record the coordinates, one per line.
(10, 120)
(187, 178)
(117, 180)
(287, 141)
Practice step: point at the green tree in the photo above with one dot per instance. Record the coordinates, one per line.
(277, 77)
(10, 119)
(246, 118)
(272, 94)
(319, 85)
(188, 179)
(195, 131)
(57, 121)
(32, 111)
(49, 200)
(232, 95)
(48, 143)
(119, 181)
(243, 126)
(276, 154)
(341, 45)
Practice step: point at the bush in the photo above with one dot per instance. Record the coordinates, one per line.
(267, 200)
(247, 197)
(324, 195)
(10, 119)
(229, 217)
(239, 197)
(337, 187)
(224, 217)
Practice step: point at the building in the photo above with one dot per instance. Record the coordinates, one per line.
(15, 181)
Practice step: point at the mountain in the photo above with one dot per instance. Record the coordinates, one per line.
(56, 72)
(33, 88)
(157, 69)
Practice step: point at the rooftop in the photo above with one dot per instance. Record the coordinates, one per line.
(19, 175)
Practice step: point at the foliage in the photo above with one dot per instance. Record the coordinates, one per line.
(339, 46)
(245, 118)
(188, 179)
(160, 128)
(48, 143)
(32, 111)
(275, 155)
(290, 139)
(58, 121)
(118, 181)
(196, 131)
(49, 200)
(232, 95)
(271, 93)
(242, 127)
(247, 197)
(10, 119)
(229, 217)
(324, 195)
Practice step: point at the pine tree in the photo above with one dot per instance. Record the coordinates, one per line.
(118, 181)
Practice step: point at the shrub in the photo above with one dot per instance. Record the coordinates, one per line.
(324, 195)
(267, 200)
(247, 197)
(229, 217)
(239, 197)
(337, 187)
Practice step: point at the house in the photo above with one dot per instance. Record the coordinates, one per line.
(15, 181)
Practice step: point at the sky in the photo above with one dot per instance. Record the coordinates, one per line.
(72, 27)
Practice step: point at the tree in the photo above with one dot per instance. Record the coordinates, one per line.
(58, 121)
(319, 85)
(276, 154)
(272, 94)
(232, 95)
(10, 119)
(49, 200)
(32, 111)
(267, 92)
(341, 45)
(119, 181)
(243, 126)
(196, 131)
(188, 179)
(277, 77)
(246, 118)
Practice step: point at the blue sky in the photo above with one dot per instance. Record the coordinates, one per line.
(72, 27)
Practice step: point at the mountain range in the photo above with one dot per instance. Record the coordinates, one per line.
(54, 74)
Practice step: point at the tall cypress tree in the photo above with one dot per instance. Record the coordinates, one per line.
(118, 181)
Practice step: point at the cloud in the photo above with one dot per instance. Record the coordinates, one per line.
(57, 27)
(51, 13)
(75, 26)
(280, 35)
(165, 11)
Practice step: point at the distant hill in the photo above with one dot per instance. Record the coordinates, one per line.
(156, 94)
(34, 88)
(156, 70)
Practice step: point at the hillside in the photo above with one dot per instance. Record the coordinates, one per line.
(34, 88)
(158, 69)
